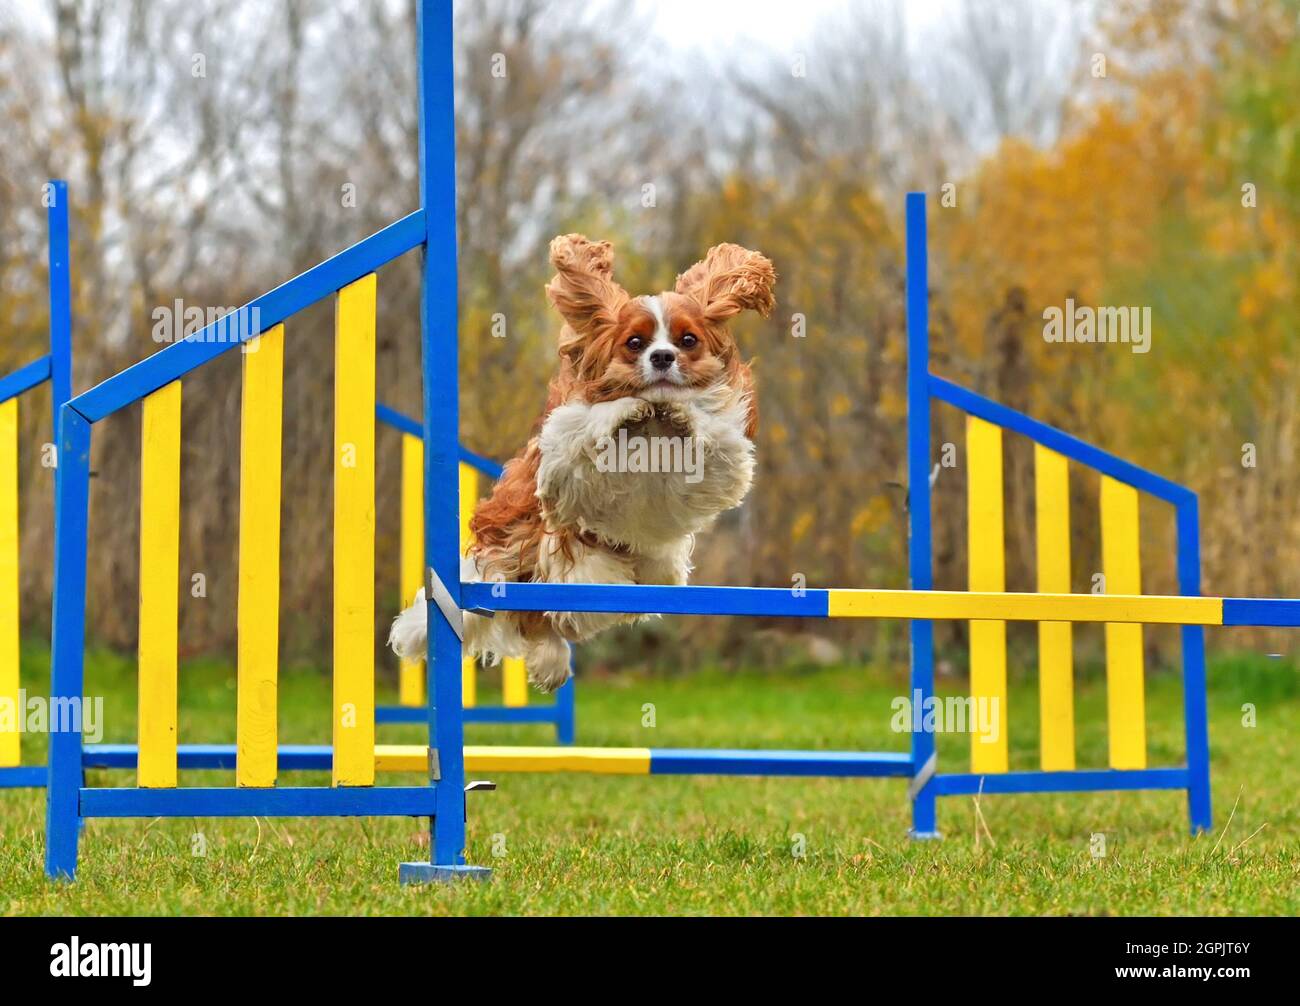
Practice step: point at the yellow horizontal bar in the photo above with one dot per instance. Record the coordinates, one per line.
(481, 758)
(1151, 609)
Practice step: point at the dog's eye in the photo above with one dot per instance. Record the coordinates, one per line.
(689, 340)
(635, 343)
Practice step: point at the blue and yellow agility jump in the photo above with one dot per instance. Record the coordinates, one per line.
(260, 481)
(355, 759)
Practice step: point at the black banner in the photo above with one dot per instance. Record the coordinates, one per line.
(334, 955)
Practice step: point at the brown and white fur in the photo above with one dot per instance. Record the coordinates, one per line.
(658, 366)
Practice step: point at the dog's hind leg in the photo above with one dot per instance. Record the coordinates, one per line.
(585, 564)
(409, 635)
(547, 658)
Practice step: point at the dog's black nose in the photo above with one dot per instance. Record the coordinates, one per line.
(662, 359)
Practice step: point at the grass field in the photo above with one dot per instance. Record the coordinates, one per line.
(671, 845)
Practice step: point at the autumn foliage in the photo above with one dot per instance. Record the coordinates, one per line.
(1168, 177)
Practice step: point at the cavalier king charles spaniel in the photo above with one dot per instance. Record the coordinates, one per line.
(647, 436)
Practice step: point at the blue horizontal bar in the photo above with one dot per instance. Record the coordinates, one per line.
(177, 360)
(402, 714)
(1098, 780)
(292, 757)
(759, 601)
(663, 600)
(290, 801)
(389, 416)
(859, 764)
(24, 777)
(484, 464)
(400, 421)
(1063, 443)
(549, 713)
(1261, 611)
(25, 378)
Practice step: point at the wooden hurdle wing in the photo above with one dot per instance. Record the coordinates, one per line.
(157, 382)
(259, 554)
(1121, 483)
(259, 551)
(1121, 575)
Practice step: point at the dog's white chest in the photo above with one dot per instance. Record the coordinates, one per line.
(641, 475)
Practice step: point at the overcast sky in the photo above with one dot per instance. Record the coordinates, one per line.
(775, 23)
(685, 24)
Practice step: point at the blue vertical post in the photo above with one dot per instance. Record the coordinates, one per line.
(438, 345)
(1195, 712)
(920, 572)
(565, 712)
(60, 300)
(60, 279)
(71, 513)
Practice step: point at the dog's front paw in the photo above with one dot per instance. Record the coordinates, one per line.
(607, 418)
(678, 415)
(635, 410)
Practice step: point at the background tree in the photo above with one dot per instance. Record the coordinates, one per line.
(217, 149)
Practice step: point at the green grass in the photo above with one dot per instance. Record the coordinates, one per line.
(668, 845)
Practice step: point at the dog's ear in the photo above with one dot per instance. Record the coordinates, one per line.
(583, 290)
(730, 279)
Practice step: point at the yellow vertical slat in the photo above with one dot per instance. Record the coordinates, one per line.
(411, 676)
(1055, 639)
(259, 560)
(987, 558)
(514, 682)
(1121, 566)
(160, 519)
(468, 682)
(468, 500)
(10, 736)
(354, 535)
